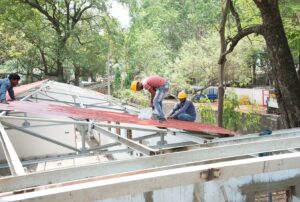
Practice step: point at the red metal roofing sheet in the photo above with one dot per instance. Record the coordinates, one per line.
(102, 115)
(23, 88)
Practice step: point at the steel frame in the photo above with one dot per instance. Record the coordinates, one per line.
(116, 186)
(151, 163)
(130, 143)
(12, 158)
(39, 136)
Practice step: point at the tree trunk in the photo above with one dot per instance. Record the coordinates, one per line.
(77, 74)
(59, 58)
(92, 77)
(222, 61)
(27, 75)
(299, 66)
(286, 82)
(254, 72)
(44, 61)
(60, 70)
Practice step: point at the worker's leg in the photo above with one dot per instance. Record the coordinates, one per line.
(185, 117)
(157, 100)
(160, 94)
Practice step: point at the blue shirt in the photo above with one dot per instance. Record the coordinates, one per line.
(186, 107)
(5, 85)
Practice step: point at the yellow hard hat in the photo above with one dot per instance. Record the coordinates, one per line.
(182, 95)
(134, 85)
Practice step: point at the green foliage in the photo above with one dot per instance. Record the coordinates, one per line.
(147, 53)
(231, 117)
(205, 112)
(290, 11)
(236, 120)
(132, 97)
(117, 79)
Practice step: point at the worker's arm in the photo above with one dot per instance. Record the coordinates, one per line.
(177, 106)
(183, 109)
(3, 90)
(11, 93)
(152, 92)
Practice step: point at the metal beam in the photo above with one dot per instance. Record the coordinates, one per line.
(97, 97)
(12, 158)
(39, 136)
(239, 139)
(118, 143)
(87, 105)
(148, 163)
(71, 94)
(130, 143)
(145, 182)
(85, 122)
(44, 85)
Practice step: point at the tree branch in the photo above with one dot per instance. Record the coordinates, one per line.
(37, 6)
(80, 42)
(236, 16)
(78, 14)
(243, 33)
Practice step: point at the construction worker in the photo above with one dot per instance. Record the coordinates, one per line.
(184, 110)
(8, 84)
(158, 88)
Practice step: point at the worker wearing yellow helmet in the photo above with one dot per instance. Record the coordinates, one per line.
(184, 110)
(158, 88)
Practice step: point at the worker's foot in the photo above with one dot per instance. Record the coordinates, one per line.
(161, 119)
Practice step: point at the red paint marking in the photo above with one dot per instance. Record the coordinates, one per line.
(24, 88)
(102, 115)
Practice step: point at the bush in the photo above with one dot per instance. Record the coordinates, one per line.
(133, 97)
(244, 100)
(235, 120)
(232, 118)
(205, 112)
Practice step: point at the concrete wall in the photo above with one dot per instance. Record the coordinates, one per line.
(235, 189)
(256, 95)
(28, 146)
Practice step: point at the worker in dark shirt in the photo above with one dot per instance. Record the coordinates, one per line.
(184, 110)
(7, 84)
